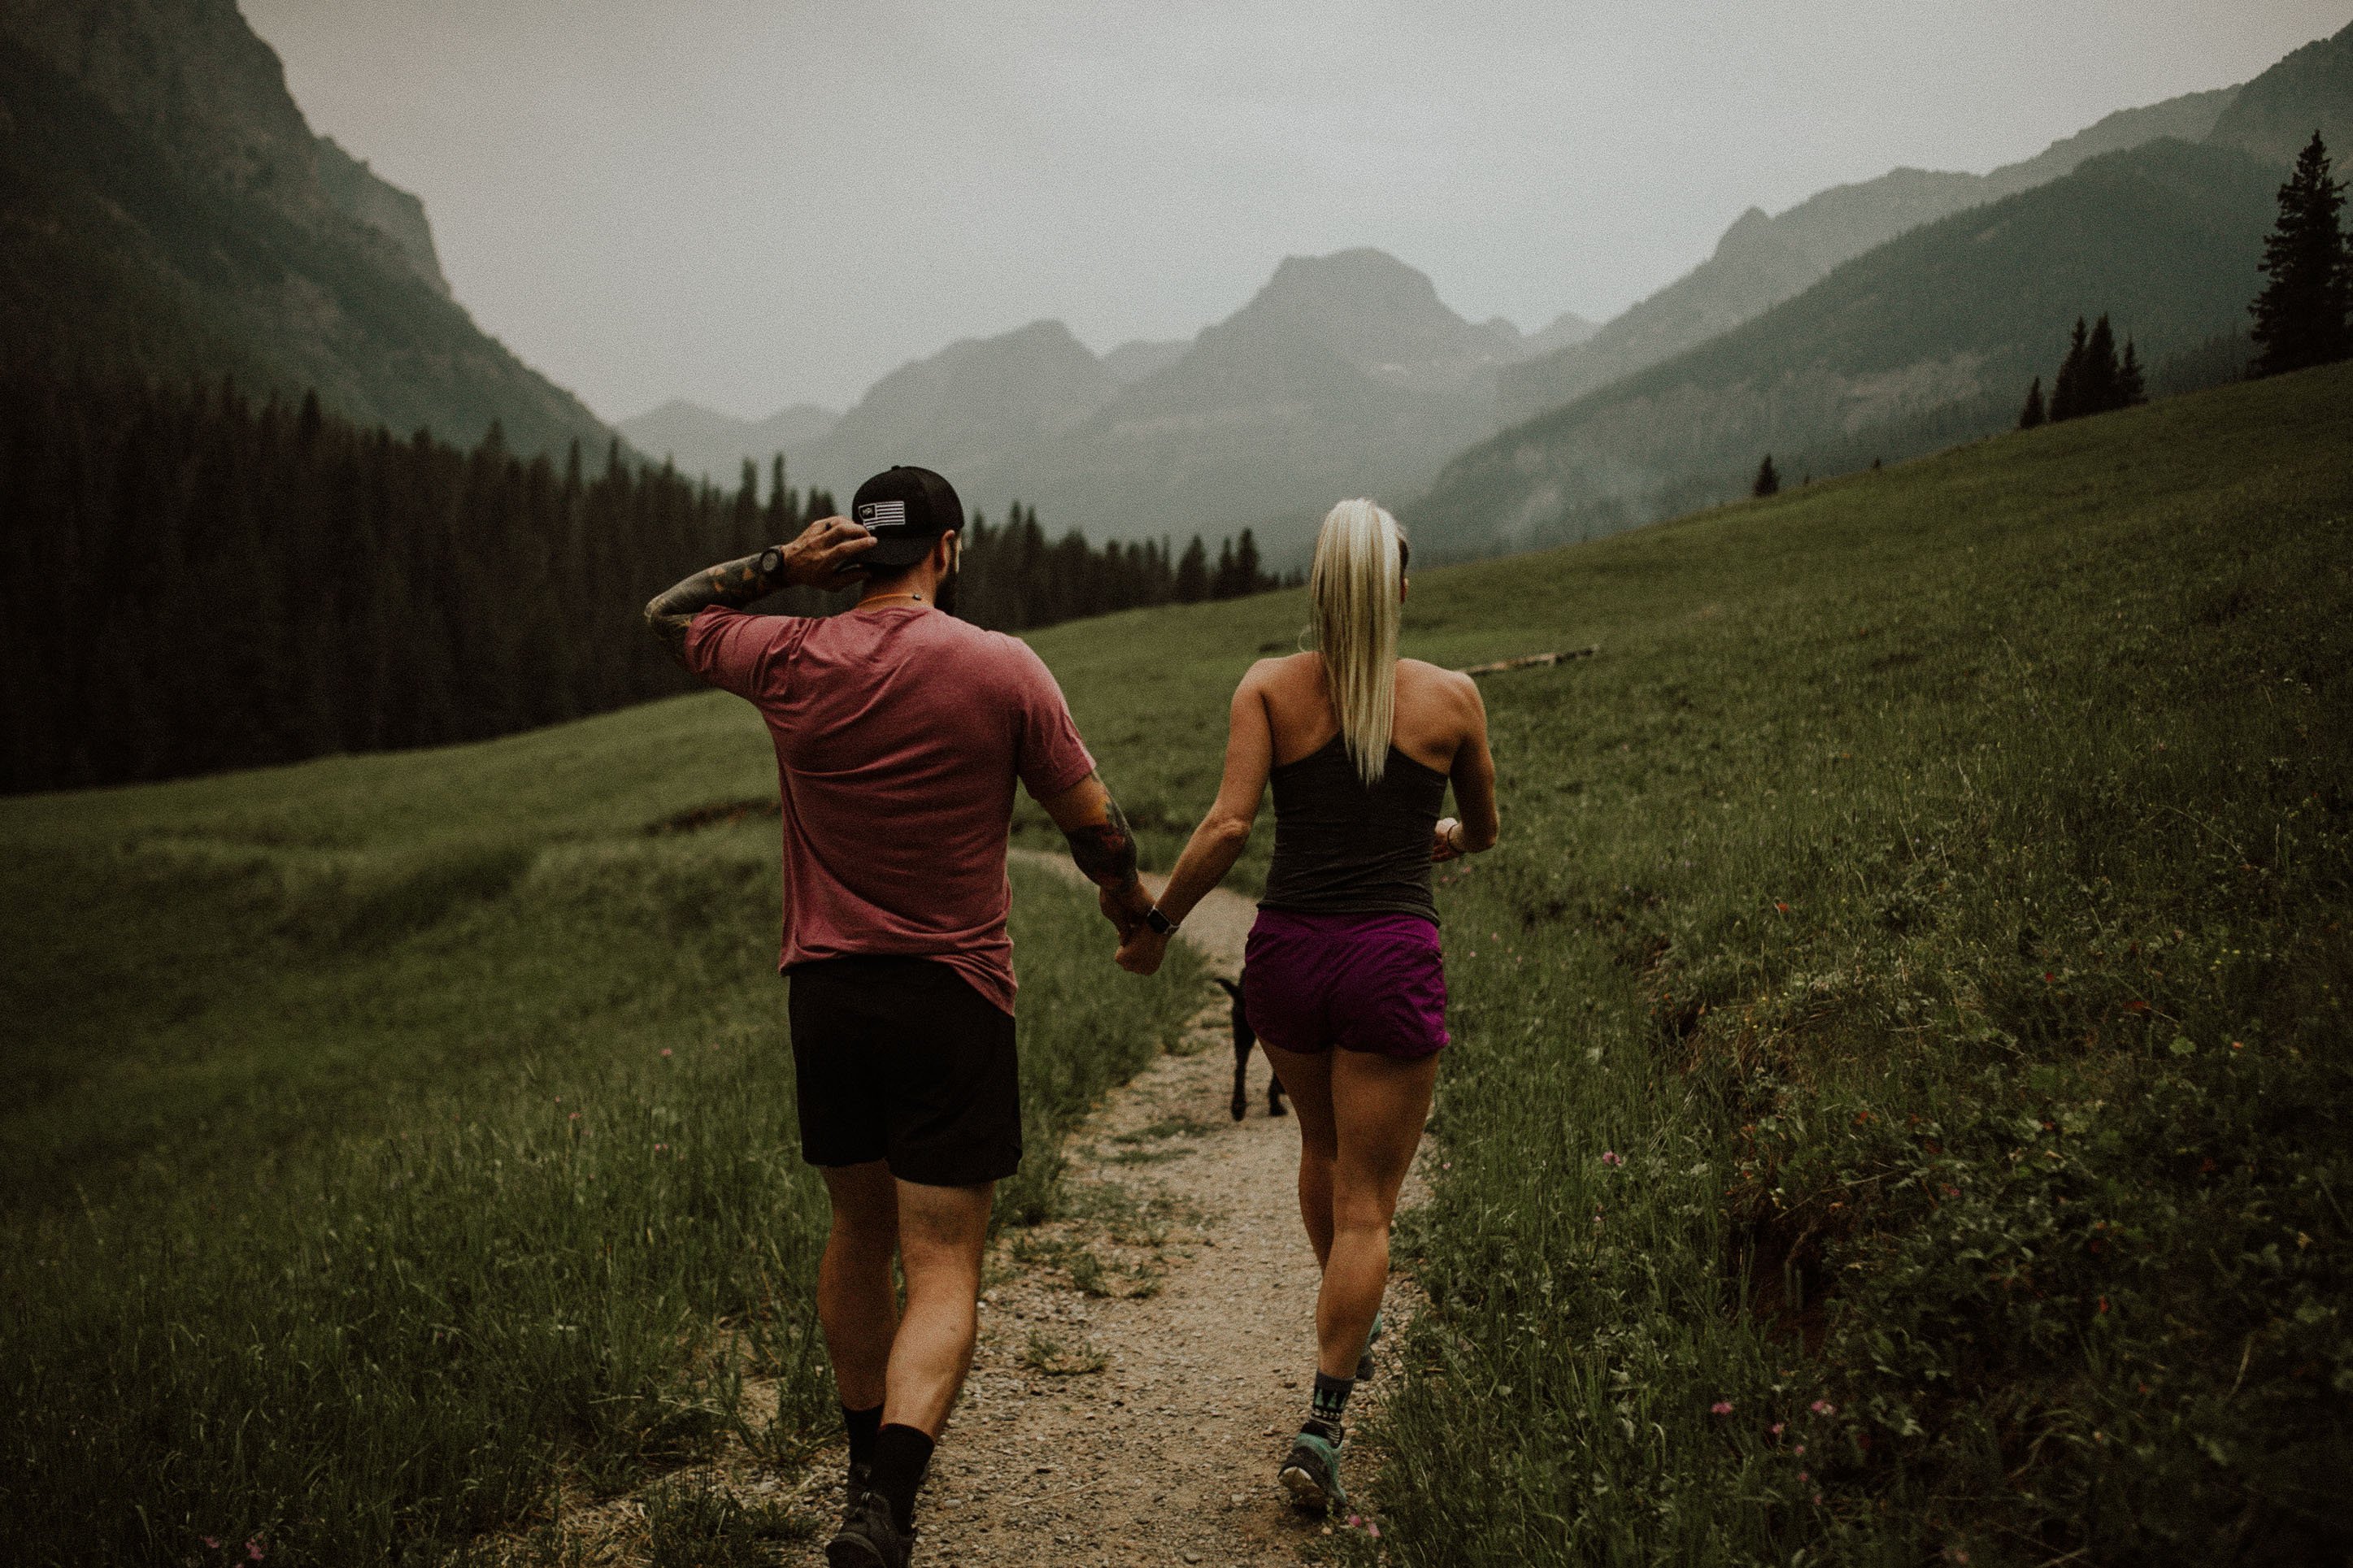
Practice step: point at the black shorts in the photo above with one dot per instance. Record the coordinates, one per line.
(899, 1059)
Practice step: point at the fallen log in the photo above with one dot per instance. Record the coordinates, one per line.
(1529, 661)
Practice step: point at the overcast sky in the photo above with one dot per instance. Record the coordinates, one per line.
(754, 203)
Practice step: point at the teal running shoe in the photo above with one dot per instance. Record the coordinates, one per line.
(1365, 1361)
(1312, 1474)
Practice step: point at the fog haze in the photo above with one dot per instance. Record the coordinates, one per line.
(752, 206)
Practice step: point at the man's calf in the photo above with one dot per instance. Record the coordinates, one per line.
(1244, 1039)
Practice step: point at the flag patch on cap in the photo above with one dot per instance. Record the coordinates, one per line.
(880, 515)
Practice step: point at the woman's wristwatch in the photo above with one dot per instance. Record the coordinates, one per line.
(1158, 923)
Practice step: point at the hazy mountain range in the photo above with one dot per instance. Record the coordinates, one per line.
(1926, 339)
(1348, 374)
(164, 209)
(1343, 368)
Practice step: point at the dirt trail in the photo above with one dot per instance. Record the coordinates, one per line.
(1141, 1366)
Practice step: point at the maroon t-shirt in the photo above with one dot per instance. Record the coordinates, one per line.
(899, 732)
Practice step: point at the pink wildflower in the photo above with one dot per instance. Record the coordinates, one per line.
(1721, 1407)
(1354, 1520)
(210, 1540)
(1799, 1449)
(253, 1552)
(660, 1147)
(1776, 1428)
(1374, 1531)
(1818, 1499)
(574, 1117)
(1610, 1157)
(1822, 1407)
(665, 1050)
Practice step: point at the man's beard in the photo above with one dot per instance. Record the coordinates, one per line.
(943, 596)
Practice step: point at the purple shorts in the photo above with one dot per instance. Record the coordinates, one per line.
(1363, 983)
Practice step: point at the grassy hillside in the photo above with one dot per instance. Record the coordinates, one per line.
(1933, 899)
(393, 1140)
(1948, 321)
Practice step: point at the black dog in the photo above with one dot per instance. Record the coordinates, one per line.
(1244, 1039)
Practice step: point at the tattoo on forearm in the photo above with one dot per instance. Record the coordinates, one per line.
(1105, 850)
(733, 584)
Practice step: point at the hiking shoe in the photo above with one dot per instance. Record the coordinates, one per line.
(870, 1537)
(1312, 1474)
(854, 1491)
(1365, 1361)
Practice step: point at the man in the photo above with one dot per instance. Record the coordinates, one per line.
(899, 732)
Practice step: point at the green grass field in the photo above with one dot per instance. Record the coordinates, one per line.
(1899, 1109)
(400, 1138)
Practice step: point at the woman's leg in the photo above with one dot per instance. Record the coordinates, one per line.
(1307, 1077)
(1376, 1106)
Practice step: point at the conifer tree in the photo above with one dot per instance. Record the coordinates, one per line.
(2095, 383)
(2132, 385)
(2066, 400)
(1768, 482)
(1193, 573)
(2300, 316)
(2029, 416)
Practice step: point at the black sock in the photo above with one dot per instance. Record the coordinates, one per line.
(901, 1454)
(862, 1425)
(1329, 1404)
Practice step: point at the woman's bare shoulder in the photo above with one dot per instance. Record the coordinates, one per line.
(1284, 671)
(1437, 677)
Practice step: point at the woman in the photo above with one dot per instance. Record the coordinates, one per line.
(1343, 979)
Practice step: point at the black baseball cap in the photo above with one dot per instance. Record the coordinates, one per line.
(906, 510)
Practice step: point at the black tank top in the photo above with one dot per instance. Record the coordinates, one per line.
(1341, 849)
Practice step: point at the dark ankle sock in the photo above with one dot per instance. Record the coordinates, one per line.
(901, 1454)
(1329, 1403)
(862, 1425)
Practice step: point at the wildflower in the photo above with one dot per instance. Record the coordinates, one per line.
(253, 1552)
(1610, 1157)
(1803, 1477)
(1951, 1191)
(574, 1117)
(1354, 1520)
(665, 1050)
(1818, 1499)
(1776, 1428)
(1721, 1407)
(1780, 906)
(1374, 1531)
(210, 1540)
(1822, 1407)
(2103, 1303)
(1799, 1449)
(661, 1147)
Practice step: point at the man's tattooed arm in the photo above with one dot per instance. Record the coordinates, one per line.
(823, 556)
(733, 585)
(1104, 850)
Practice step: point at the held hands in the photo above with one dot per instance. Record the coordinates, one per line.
(1443, 845)
(825, 555)
(1139, 948)
(1141, 951)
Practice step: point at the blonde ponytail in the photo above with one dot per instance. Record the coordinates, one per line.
(1353, 585)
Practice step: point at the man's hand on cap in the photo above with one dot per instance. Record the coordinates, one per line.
(825, 555)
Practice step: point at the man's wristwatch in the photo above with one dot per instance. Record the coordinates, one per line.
(772, 563)
(1160, 924)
